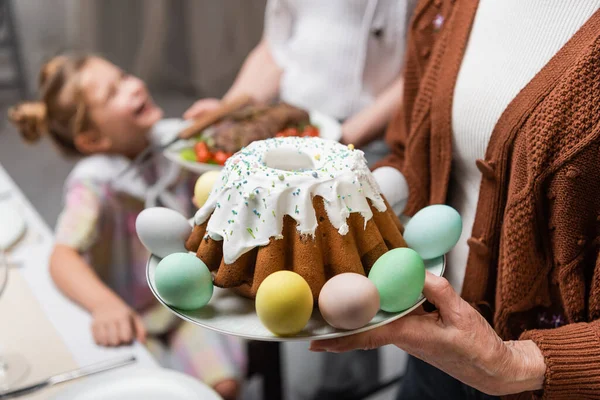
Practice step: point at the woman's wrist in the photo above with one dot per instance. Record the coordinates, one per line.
(525, 368)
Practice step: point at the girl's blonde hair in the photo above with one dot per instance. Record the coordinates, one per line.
(61, 111)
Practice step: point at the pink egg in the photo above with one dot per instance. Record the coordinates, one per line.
(348, 301)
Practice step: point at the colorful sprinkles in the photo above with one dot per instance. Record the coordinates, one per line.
(338, 174)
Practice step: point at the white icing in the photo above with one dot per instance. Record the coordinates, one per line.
(249, 200)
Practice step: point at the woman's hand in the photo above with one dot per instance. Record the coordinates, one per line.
(115, 323)
(353, 133)
(200, 107)
(457, 340)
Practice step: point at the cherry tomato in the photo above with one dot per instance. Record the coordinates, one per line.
(202, 152)
(311, 131)
(291, 132)
(280, 134)
(220, 157)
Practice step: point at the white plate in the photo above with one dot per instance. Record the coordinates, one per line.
(231, 314)
(138, 383)
(329, 128)
(12, 226)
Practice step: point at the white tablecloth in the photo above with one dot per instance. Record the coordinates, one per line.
(35, 301)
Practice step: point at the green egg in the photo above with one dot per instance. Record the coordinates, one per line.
(183, 281)
(399, 276)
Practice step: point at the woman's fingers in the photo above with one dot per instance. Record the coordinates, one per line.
(363, 341)
(193, 112)
(200, 107)
(409, 331)
(401, 330)
(418, 311)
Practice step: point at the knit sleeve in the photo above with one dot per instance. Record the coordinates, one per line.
(572, 352)
(572, 356)
(396, 139)
(425, 28)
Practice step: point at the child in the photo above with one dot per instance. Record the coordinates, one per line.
(93, 110)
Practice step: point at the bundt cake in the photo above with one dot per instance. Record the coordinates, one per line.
(303, 204)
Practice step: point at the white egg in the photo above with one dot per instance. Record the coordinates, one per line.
(348, 301)
(162, 231)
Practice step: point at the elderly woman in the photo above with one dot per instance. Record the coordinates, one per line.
(501, 120)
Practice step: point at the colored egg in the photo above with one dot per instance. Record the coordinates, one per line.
(284, 303)
(162, 231)
(183, 281)
(399, 276)
(348, 301)
(433, 231)
(203, 187)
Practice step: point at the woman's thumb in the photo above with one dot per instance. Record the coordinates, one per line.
(440, 293)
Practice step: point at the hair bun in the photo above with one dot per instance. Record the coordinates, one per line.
(30, 119)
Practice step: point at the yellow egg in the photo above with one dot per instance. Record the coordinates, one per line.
(284, 303)
(204, 185)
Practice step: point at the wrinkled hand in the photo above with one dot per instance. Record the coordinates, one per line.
(200, 107)
(115, 324)
(457, 340)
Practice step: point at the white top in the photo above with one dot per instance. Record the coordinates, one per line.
(115, 168)
(276, 177)
(337, 55)
(510, 43)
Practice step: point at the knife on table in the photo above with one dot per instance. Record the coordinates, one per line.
(67, 376)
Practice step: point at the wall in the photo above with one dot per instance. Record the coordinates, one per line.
(186, 45)
(43, 28)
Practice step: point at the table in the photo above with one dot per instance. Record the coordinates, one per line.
(36, 320)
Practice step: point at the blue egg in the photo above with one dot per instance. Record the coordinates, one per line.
(433, 231)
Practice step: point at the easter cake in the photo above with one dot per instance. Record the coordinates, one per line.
(306, 205)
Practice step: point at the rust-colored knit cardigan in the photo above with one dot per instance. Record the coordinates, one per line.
(536, 236)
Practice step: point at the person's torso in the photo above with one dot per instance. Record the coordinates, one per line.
(542, 137)
(510, 42)
(117, 254)
(341, 54)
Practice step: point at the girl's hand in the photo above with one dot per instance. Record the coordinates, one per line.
(200, 107)
(115, 323)
(457, 340)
